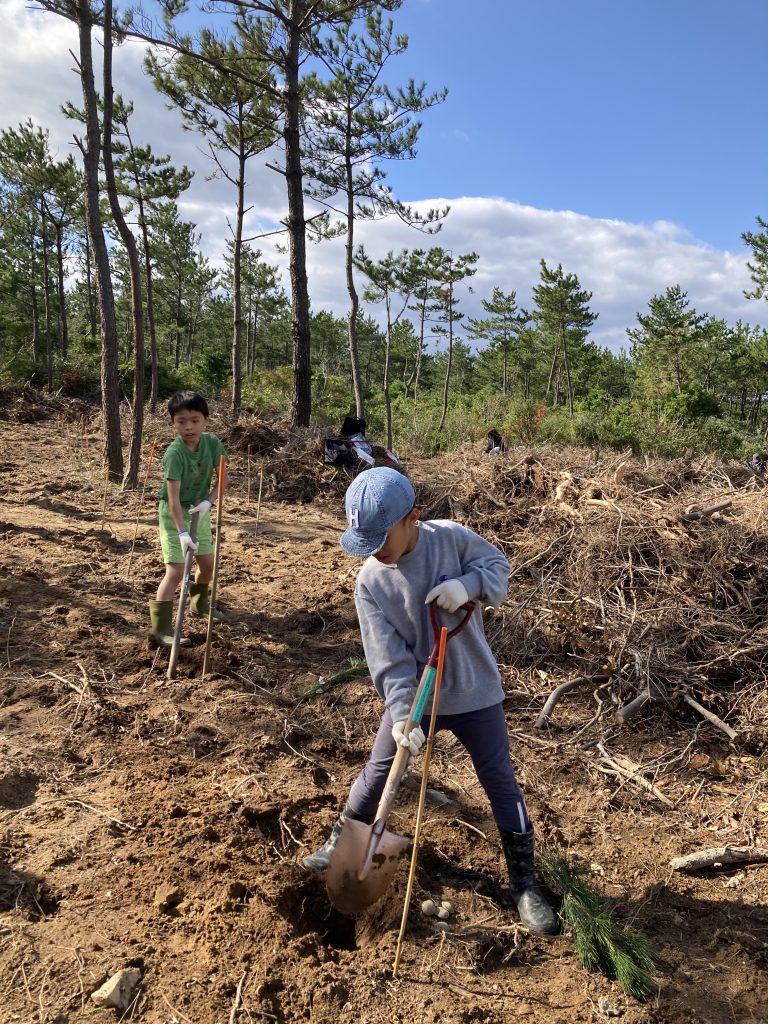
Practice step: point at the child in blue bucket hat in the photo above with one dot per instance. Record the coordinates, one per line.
(408, 565)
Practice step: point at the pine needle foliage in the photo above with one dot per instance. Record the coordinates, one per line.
(599, 941)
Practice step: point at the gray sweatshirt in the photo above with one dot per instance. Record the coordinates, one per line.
(396, 628)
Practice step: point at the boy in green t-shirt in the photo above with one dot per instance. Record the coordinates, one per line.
(189, 464)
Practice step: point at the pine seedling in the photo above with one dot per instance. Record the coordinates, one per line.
(599, 941)
(358, 667)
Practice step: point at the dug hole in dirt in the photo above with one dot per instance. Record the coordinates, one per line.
(158, 826)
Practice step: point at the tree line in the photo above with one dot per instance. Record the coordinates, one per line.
(97, 266)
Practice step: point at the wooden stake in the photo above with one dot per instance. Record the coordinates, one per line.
(217, 550)
(422, 795)
(85, 436)
(141, 503)
(248, 470)
(104, 503)
(258, 502)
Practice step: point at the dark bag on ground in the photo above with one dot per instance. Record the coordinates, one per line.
(352, 425)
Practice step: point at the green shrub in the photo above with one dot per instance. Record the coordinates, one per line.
(691, 403)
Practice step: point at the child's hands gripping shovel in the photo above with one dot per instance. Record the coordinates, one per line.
(183, 597)
(365, 858)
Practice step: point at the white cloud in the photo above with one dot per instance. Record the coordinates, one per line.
(622, 264)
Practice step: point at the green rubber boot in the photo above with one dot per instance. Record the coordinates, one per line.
(161, 619)
(199, 604)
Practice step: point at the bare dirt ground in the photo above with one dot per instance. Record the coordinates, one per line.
(159, 825)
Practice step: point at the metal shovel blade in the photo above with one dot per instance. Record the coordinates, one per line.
(350, 893)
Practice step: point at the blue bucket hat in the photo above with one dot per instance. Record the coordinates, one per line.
(375, 501)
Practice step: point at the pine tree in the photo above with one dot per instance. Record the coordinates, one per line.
(355, 124)
(86, 17)
(449, 271)
(758, 269)
(501, 329)
(238, 122)
(391, 280)
(147, 181)
(665, 339)
(564, 318)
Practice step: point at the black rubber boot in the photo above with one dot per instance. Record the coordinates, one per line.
(319, 860)
(161, 620)
(198, 602)
(535, 913)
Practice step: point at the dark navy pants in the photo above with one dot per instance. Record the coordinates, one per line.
(484, 735)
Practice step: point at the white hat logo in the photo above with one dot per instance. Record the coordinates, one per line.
(354, 518)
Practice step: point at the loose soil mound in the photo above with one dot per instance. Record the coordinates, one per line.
(160, 825)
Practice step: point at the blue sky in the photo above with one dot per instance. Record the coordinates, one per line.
(638, 110)
(625, 139)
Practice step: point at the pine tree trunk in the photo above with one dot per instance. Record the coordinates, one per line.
(566, 364)
(110, 388)
(47, 301)
(237, 327)
(154, 387)
(177, 340)
(552, 369)
(35, 325)
(420, 352)
(301, 409)
(354, 303)
(450, 358)
(89, 287)
(134, 264)
(387, 398)
(63, 324)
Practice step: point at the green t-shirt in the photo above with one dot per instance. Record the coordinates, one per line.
(193, 469)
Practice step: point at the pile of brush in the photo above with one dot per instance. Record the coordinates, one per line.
(652, 573)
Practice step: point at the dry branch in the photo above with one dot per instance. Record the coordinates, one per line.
(720, 856)
(629, 770)
(692, 517)
(561, 690)
(710, 717)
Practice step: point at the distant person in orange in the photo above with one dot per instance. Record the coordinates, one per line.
(496, 444)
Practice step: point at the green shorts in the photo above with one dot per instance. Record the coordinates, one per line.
(169, 535)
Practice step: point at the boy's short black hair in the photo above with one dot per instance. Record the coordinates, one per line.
(187, 401)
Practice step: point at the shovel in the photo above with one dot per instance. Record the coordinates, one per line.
(183, 595)
(365, 858)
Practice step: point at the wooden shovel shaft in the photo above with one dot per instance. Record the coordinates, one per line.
(183, 595)
(216, 552)
(399, 767)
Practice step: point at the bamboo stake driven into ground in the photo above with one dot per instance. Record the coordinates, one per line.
(422, 796)
(221, 483)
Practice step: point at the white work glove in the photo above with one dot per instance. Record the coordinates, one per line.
(414, 740)
(187, 544)
(450, 595)
(202, 508)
